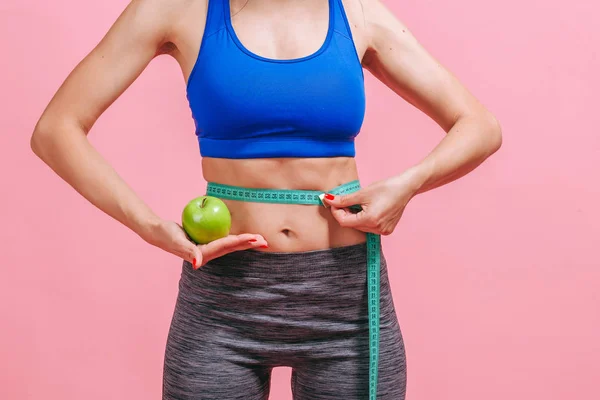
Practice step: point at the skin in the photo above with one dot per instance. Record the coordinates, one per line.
(289, 29)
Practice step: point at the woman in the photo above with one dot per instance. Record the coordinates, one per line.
(276, 92)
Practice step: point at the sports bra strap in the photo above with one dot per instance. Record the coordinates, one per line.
(341, 24)
(214, 17)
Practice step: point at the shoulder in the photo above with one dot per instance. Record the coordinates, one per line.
(162, 22)
(365, 10)
(378, 16)
(159, 15)
(355, 14)
(384, 30)
(354, 10)
(372, 24)
(370, 18)
(163, 5)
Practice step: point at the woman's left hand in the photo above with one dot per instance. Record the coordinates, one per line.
(382, 204)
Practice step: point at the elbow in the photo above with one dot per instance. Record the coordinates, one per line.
(40, 136)
(46, 134)
(493, 133)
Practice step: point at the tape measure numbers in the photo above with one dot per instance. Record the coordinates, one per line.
(313, 197)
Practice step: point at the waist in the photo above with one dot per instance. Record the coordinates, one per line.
(286, 227)
(299, 173)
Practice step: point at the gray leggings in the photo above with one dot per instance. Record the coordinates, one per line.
(246, 312)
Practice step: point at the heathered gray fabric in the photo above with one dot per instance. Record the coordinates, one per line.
(244, 313)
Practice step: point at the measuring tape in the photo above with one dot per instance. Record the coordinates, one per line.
(289, 196)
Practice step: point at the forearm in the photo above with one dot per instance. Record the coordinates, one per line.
(68, 152)
(467, 144)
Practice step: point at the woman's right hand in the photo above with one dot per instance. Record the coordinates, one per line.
(171, 237)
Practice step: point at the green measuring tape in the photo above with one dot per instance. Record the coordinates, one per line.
(289, 196)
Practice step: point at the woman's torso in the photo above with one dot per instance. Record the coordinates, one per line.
(277, 30)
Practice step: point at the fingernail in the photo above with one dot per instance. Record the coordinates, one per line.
(194, 263)
(329, 196)
(252, 240)
(265, 246)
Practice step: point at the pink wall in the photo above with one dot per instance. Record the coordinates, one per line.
(495, 277)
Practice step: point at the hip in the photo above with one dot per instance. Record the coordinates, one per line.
(316, 293)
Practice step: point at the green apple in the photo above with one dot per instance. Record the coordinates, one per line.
(206, 218)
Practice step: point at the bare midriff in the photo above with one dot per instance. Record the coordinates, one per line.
(286, 227)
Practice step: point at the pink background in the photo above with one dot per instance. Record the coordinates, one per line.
(495, 277)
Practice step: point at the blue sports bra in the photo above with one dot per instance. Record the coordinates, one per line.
(248, 106)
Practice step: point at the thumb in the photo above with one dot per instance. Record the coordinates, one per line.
(345, 200)
(193, 254)
(197, 257)
(191, 251)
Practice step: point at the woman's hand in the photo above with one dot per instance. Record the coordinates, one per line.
(382, 204)
(171, 237)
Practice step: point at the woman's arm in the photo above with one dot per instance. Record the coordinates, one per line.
(60, 136)
(397, 59)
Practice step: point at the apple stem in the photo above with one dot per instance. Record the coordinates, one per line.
(203, 202)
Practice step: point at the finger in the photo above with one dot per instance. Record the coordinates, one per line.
(258, 241)
(190, 252)
(231, 243)
(246, 241)
(349, 219)
(212, 249)
(241, 245)
(198, 259)
(345, 200)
